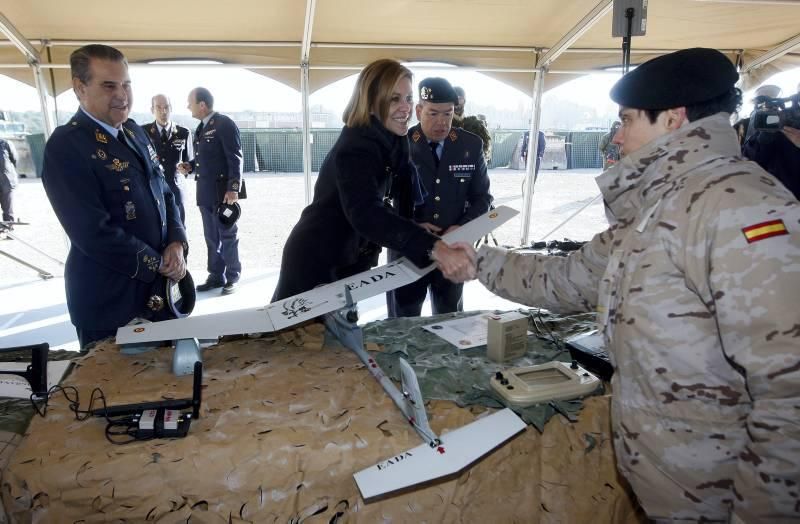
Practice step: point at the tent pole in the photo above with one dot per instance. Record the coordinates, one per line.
(41, 89)
(533, 154)
(306, 134)
(305, 50)
(34, 60)
(773, 54)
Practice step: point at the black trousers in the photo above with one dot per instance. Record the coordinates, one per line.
(87, 336)
(446, 296)
(7, 205)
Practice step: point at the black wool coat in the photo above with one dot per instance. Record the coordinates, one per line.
(340, 233)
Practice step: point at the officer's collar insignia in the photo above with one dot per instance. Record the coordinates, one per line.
(453, 135)
(416, 136)
(100, 136)
(128, 131)
(101, 154)
(117, 165)
(74, 123)
(211, 122)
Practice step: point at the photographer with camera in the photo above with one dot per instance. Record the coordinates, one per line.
(775, 140)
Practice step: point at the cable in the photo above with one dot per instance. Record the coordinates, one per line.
(116, 427)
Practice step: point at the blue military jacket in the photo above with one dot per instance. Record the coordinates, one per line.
(176, 149)
(217, 160)
(119, 215)
(458, 190)
(171, 152)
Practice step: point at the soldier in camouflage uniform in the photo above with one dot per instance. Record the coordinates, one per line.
(473, 124)
(696, 285)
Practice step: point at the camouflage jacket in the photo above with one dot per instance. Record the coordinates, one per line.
(696, 285)
(476, 127)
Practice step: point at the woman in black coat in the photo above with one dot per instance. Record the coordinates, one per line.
(340, 233)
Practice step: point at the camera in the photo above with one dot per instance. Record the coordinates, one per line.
(773, 114)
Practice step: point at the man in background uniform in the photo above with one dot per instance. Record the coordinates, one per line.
(452, 169)
(173, 144)
(778, 152)
(8, 178)
(608, 149)
(102, 176)
(474, 124)
(695, 285)
(218, 170)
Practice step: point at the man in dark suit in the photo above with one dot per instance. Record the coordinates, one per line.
(452, 169)
(8, 178)
(173, 144)
(107, 189)
(218, 170)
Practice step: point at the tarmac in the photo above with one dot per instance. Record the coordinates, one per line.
(33, 309)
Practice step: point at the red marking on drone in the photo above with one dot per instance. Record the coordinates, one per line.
(440, 449)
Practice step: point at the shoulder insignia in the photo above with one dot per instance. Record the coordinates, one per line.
(100, 136)
(101, 154)
(416, 136)
(453, 135)
(772, 228)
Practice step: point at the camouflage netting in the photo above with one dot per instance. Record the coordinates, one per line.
(283, 427)
(445, 372)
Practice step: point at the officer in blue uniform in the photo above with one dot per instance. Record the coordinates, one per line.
(218, 170)
(107, 189)
(173, 144)
(452, 168)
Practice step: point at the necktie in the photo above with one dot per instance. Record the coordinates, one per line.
(126, 141)
(434, 147)
(163, 134)
(199, 130)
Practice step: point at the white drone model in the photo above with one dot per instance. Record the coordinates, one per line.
(439, 456)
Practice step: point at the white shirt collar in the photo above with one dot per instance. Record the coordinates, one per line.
(113, 131)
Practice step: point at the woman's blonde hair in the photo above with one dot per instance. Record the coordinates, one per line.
(373, 91)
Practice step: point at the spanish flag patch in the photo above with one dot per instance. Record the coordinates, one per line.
(757, 232)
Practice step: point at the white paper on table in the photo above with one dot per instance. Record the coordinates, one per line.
(14, 386)
(463, 333)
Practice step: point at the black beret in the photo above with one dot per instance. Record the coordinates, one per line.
(437, 90)
(679, 79)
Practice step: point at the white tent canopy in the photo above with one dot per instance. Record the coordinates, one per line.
(307, 45)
